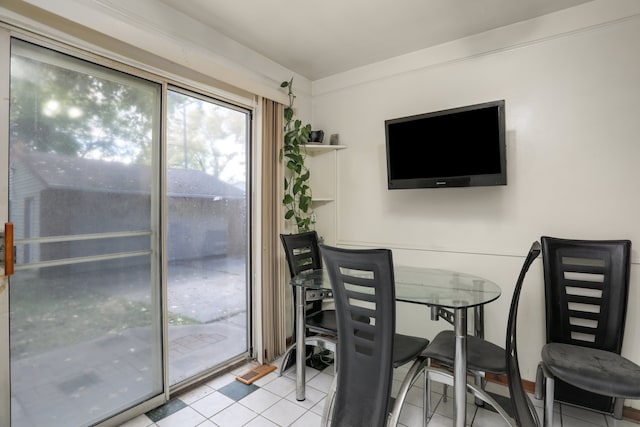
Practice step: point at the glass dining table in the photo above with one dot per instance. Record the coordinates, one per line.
(449, 294)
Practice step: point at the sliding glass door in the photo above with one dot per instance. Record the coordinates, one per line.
(85, 331)
(111, 201)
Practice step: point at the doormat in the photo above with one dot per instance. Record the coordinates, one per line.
(255, 374)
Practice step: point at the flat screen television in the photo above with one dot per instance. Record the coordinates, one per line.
(459, 147)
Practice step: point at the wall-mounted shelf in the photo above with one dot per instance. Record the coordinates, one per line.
(323, 165)
(322, 148)
(322, 199)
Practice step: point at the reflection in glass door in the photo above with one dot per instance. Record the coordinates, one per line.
(85, 335)
(207, 233)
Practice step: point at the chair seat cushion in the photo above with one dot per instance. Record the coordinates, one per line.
(594, 370)
(407, 348)
(482, 355)
(323, 321)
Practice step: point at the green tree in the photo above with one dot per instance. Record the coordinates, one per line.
(68, 106)
(205, 136)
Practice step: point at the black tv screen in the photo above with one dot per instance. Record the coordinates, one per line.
(459, 147)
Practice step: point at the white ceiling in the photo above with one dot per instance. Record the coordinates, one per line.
(319, 38)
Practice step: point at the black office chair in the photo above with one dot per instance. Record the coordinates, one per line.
(363, 286)
(302, 253)
(586, 289)
(524, 411)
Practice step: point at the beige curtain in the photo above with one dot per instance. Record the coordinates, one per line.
(274, 286)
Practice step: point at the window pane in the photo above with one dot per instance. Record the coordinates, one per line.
(207, 234)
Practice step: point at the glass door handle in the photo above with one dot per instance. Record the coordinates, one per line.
(6, 249)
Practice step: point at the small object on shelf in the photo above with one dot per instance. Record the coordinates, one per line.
(316, 136)
(334, 139)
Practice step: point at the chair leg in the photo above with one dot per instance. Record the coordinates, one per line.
(428, 389)
(416, 369)
(285, 358)
(480, 382)
(480, 393)
(618, 407)
(426, 397)
(445, 377)
(539, 382)
(548, 401)
(327, 411)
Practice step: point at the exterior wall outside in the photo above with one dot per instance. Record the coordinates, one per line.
(572, 147)
(211, 225)
(204, 227)
(31, 190)
(80, 209)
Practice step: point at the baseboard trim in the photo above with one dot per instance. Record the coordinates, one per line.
(628, 413)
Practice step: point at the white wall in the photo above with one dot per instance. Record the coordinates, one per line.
(572, 90)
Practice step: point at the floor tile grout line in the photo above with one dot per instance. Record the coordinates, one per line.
(562, 416)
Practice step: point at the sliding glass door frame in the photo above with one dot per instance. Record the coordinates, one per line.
(5, 78)
(159, 210)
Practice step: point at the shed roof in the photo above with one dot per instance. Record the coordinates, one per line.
(76, 173)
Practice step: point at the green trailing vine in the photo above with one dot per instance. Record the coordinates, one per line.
(297, 191)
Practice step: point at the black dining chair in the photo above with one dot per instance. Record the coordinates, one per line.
(302, 254)
(524, 412)
(482, 356)
(586, 290)
(363, 286)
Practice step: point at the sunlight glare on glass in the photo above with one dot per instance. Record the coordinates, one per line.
(51, 108)
(74, 112)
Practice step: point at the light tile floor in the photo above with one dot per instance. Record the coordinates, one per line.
(271, 401)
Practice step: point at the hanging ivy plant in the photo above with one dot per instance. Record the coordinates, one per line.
(297, 191)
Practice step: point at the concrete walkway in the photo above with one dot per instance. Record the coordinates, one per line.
(87, 381)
